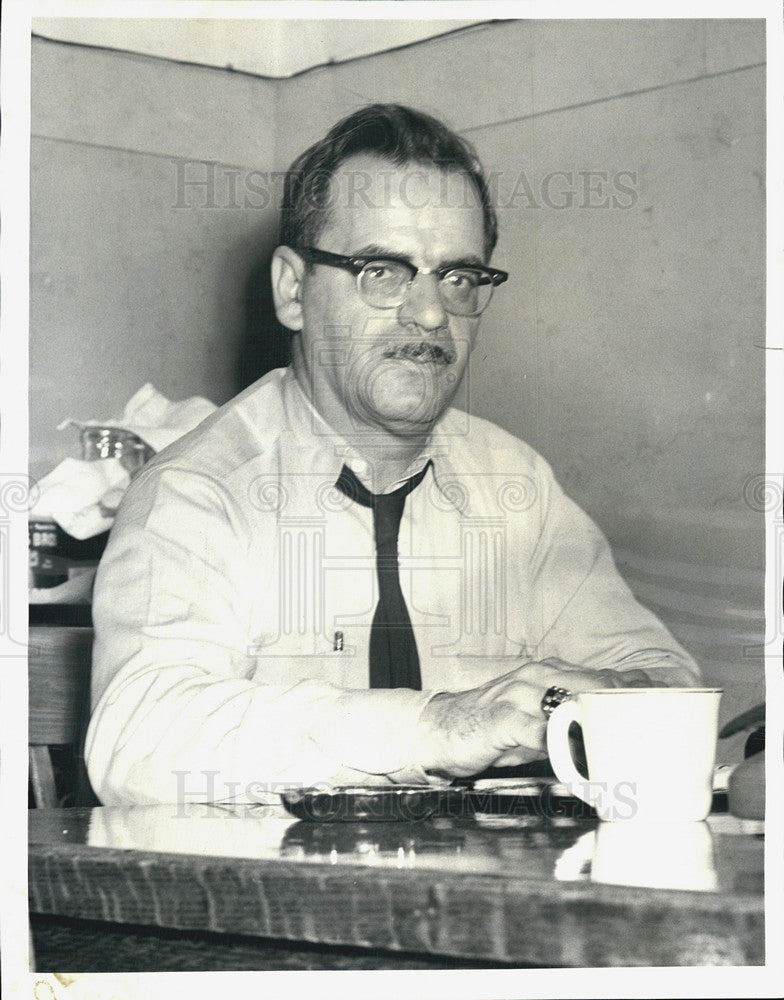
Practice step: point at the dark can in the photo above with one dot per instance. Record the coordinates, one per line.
(47, 567)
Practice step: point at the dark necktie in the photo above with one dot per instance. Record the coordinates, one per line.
(394, 661)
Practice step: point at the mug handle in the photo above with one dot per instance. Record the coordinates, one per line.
(560, 752)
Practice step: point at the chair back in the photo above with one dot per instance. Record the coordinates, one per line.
(59, 663)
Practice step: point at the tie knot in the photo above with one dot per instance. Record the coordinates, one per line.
(387, 507)
(387, 515)
(351, 486)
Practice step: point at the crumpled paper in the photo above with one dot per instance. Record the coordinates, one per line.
(83, 496)
(73, 492)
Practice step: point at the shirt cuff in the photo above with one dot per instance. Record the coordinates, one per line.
(375, 732)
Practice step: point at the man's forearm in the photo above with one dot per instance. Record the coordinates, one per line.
(168, 732)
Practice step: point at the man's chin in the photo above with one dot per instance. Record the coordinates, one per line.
(405, 395)
(404, 416)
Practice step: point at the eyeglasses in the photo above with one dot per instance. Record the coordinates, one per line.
(384, 282)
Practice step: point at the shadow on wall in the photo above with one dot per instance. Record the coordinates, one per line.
(264, 343)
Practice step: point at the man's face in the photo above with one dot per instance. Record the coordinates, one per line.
(394, 369)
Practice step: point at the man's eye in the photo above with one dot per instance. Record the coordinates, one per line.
(463, 280)
(380, 270)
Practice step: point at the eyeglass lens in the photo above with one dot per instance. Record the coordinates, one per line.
(463, 291)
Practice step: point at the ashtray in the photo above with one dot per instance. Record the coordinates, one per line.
(367, 804)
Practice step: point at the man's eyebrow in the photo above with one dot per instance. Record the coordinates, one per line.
(470, 260)
(376, 250)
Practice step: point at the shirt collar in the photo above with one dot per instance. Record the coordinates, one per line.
(328, 451)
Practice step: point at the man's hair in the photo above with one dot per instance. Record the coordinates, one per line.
(392, 132)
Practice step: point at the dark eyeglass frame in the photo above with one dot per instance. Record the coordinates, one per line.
(356, 265)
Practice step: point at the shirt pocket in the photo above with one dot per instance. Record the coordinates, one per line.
(286, 658)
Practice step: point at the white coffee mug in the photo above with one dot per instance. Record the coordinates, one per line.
(650, 752)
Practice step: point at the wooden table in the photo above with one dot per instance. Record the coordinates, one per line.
(523, 890)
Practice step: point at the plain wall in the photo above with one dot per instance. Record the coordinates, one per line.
(626, 346)
(139, 272)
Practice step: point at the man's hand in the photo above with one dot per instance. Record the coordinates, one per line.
(501, 722)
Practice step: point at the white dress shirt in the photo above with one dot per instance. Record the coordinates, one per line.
(236, 571)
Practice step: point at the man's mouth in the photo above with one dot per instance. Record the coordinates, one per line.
(423, 352)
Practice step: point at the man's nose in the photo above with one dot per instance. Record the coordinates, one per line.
(423, 305)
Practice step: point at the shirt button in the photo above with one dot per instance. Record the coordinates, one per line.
(360, 467)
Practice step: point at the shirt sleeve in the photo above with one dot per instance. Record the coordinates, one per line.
(583, 611)
(178, 712)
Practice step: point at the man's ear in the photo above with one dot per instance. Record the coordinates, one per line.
(287, 269)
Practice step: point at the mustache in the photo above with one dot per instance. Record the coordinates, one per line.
(422, 350)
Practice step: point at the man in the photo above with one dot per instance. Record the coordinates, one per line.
(337, 577)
